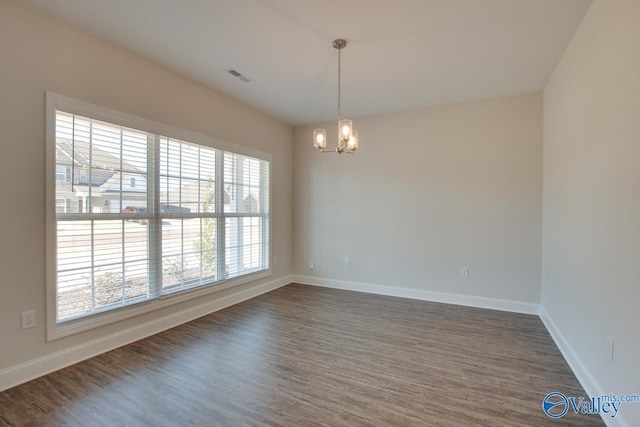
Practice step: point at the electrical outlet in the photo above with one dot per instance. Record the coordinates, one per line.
(464, 272)
(312, 265)
(347, 261)
(28, 319)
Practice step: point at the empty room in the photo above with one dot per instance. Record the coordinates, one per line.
(320, 213)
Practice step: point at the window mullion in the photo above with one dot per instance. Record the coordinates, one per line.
(264, 222)
(221, 270)
(200, 206)
(240, 182)
(155, 221)
(182, 220)
(93, 266)
(122, 239)
(73, 153)
(88, 205)
(87, 208)
(121, 166)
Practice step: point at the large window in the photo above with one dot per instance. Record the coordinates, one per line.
(146, 215)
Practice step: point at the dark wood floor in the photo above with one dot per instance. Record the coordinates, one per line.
(306, 356)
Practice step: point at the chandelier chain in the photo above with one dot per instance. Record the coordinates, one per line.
(339, 85)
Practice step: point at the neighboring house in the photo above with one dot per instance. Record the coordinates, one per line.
(250, 204)
(90, 180)
(94, 180)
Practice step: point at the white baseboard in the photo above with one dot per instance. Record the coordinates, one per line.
(588, 382)
(32, 369)
(419, 294)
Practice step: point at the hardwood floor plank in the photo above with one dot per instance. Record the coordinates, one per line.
(306, 356)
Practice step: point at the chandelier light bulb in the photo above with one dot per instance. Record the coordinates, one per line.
(353, 141)
(346, 127)
(319, 138)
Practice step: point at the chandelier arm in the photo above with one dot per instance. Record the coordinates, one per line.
(323, 151)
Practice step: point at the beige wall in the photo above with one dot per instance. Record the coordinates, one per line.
(592, 197)
(429, 191)
(38, 53)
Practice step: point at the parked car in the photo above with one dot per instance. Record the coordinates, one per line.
(136, 210)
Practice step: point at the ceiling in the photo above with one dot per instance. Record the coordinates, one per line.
(401, 54)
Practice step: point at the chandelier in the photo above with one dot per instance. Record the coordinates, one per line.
(347, 137)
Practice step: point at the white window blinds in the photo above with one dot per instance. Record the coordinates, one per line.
(140, 215)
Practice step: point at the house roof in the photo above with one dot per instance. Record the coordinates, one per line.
(82, 156)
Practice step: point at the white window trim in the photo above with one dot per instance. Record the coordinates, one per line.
(58, 102)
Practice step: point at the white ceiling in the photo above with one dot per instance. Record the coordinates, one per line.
(402, 54)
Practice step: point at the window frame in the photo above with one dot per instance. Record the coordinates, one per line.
(55, 330)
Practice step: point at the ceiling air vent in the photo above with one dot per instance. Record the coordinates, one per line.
(238, 75)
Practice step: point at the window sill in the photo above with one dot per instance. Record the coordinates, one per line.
(56, 331)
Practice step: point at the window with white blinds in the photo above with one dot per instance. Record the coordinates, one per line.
(140, 215)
